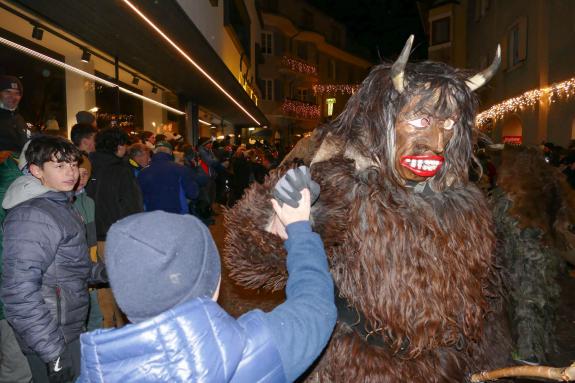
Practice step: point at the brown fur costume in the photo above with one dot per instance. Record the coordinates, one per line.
(417, 266)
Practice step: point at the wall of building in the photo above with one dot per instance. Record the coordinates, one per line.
(209, 19)
(312, 45)
(548, 59)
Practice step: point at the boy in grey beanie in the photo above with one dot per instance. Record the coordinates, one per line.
(164, 270)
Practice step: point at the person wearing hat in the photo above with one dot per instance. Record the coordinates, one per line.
(165, 184)
(13, 128)
(13, 135)
(165, 272)
(85, 117)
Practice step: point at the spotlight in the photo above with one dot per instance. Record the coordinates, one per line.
(135, 80)
(37, 33)
(155, 89)
(86, 55)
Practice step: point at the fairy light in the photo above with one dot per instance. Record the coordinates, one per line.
(301, 109)
(557, 91)
(299, 65)
(82, 73)
(335, 89)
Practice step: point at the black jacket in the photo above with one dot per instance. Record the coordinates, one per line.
(46, 272)
(114, 190)
(13, 130)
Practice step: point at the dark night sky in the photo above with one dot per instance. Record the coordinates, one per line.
(379, 25)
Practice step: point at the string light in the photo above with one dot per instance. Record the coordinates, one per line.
(301, 109)
(299, 65)
(557, 91)
(335, 89)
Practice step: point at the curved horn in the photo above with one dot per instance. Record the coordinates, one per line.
(398, 67)
(477, 81)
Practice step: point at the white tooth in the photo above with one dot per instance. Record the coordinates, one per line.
(419, 163)
(427, 162)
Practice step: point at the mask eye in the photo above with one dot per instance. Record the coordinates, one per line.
(420, 122)
(448, 124)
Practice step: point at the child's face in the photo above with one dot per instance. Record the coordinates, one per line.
(84, 177)
(60, 176)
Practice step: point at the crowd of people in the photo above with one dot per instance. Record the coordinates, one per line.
(106, 235)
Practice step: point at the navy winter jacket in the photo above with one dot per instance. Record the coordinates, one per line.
(46, 269)
(197, 341)
(167, 185)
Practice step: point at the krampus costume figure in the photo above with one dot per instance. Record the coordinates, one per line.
(410, 240)
(534, 208)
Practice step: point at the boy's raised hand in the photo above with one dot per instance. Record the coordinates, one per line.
(287, 214)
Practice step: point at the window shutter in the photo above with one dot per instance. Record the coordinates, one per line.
(278, 44)
(522, 38)
(278, 90)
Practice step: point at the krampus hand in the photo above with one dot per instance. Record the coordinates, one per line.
(288, 188)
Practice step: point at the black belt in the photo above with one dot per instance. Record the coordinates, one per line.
(349, 315)
(354, 318)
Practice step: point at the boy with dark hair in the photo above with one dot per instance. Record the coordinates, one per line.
(84, 137)
(116, 195)
(46, 262)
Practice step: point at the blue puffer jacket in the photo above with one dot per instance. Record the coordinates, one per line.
(197, 341)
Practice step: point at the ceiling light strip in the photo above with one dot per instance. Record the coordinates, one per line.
(187, 57)
(204, 122)
(82, 73)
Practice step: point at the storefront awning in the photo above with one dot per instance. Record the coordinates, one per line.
(112, 27)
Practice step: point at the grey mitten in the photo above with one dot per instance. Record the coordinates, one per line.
(289, 187)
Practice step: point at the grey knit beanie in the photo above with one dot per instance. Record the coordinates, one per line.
(158, 260)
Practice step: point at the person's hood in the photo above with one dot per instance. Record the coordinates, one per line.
(23, 189)
(194, 341)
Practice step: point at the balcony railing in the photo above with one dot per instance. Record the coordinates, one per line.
(298, 65)
(301, 109)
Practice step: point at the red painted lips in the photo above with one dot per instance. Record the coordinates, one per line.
(423, 166)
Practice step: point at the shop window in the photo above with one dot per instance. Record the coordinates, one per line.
(441, 31)
(267, 43)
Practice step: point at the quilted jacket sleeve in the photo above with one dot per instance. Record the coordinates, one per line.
(30, 244)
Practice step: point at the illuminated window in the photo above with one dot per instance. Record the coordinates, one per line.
(330, 102)
(267, 43)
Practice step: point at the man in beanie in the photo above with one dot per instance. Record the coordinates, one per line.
(13, 128)
(13, 134)
(165, 272)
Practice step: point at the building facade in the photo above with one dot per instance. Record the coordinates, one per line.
(529, 99)
(306, 73)
(184, 65)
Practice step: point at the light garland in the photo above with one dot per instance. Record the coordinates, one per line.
(335, 89)
(299, 65)
(301, 109)
(561, 90)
